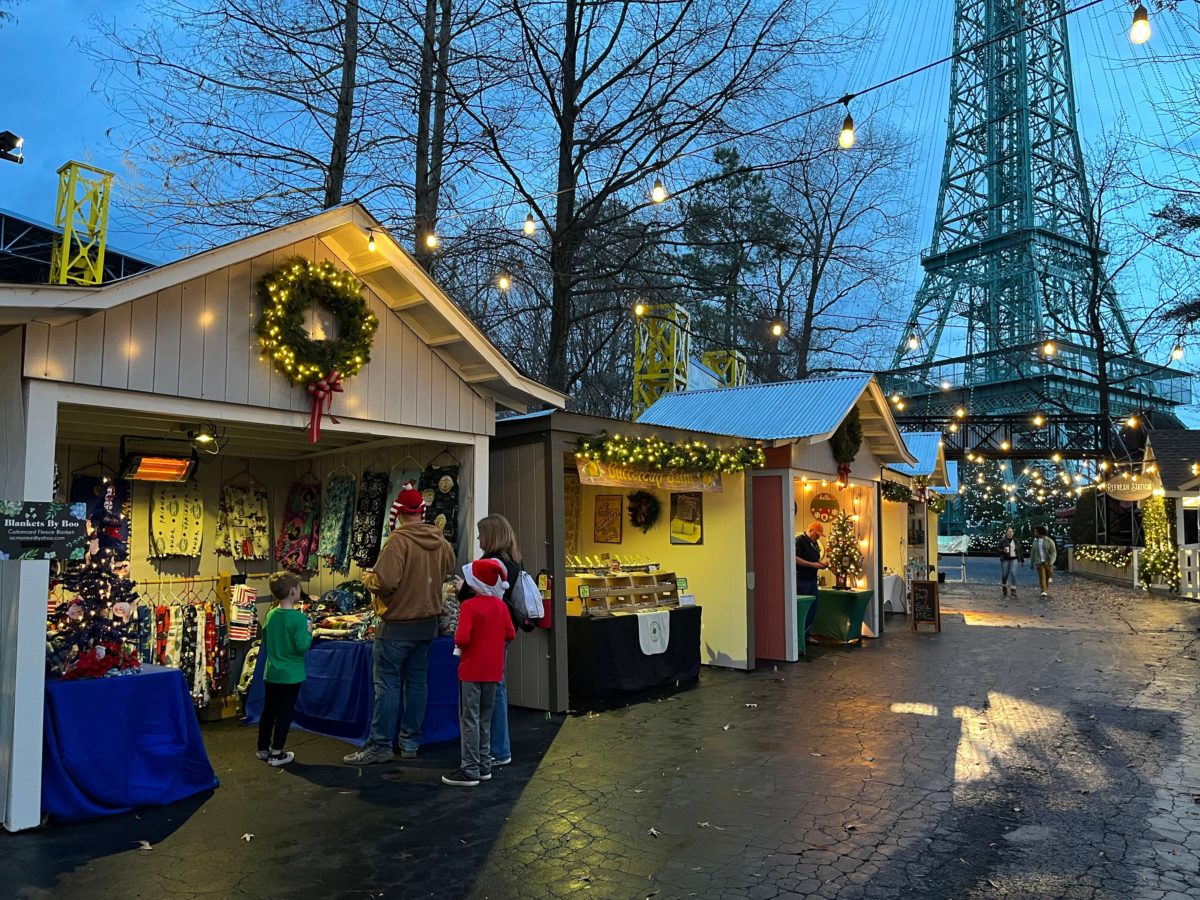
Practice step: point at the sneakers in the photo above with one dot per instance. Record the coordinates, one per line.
(485, 776)
(461, 779)
(280, 759)
(408, 754)
(1043, 594)
(368, 756)
(502, 762)
(262, 754)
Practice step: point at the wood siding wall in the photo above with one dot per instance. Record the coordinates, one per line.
(770, 617)
(12, 414)
(518, 492)
(197, 340)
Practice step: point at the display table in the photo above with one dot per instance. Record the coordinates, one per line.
(338, 697)
(605, 657)
(895, 597)
(840, 614)
(114, 744)
(805, 613)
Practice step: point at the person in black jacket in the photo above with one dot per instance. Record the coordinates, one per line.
(1011, 558)
(497, 540)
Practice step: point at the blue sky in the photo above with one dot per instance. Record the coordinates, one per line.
(53, 100)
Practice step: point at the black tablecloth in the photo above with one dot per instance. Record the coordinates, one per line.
(606, 658)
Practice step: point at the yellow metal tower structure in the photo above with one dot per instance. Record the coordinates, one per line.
(660, 354)
(730, 366)
(82, 214)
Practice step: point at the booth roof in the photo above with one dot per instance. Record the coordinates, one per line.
(951, 479)
(1173, 451)
(789, 410)
(926, 446)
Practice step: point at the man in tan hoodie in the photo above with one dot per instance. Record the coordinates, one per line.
(406, 584)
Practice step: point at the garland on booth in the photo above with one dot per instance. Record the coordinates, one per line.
(319, 364)
(845, 444)
(936, 502)
(653, 453)
(1112, 556)
(644, 510)
(1160, 562)
(896, 492)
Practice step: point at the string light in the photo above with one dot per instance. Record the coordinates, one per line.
(1048, 348)
(846, 135)
(658, 193)
(1177, 352)
(946, 385)
(1139, 32)
(960, 413)
(895, 398)
(530, 224)
(1005, 445)
(777, 328)
(914, 341)
(1132, 422)
(503, 282)
(1057, 457)
(639, 309)
(953, 427)
(1039, 420)
(432, 241)
(371, 242)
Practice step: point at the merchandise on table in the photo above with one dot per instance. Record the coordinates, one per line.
(243, 522)
(337, 516)
(176, 521)
(298, 534)
(192, 634)
(605, 586)
(370, 516)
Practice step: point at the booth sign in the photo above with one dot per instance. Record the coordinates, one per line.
(42, 530)
(1133, 489)
(609, 474)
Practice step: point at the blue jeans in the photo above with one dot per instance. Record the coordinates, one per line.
(401, 679)
(501, 748)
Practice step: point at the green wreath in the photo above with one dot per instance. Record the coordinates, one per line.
(286, 293)
(644, 510)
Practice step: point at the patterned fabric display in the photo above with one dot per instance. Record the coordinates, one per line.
(114, 495)
(368, 518)
(439, 487)
(395, 484)
(243, 530)
(298, 536)
(243, 616)
(337, 515)
(176, 521)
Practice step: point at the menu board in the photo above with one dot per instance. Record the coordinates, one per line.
(926, 605)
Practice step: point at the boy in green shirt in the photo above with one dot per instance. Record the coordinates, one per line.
(287, 635)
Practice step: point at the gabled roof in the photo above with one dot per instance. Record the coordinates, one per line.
(951, 478)
(390, 271)
(1173, 451)
(809, 410)
(926, 446)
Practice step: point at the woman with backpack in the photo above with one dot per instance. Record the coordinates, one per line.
(498, 541)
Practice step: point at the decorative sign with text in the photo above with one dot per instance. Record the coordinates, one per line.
(1129, 489)
(926, 604)
(824, 507)
(42, 530)
(610, 474)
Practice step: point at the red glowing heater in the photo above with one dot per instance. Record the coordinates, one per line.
(157, 460)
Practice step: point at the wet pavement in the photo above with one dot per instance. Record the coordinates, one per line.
(1032, 749)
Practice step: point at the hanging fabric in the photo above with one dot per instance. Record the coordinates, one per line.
(102, 493)
(396, 482)
(298, 536)
(439, 487)
(243, 618)
(369, 518)
(176, 521)
(243, 530)
(337, 515)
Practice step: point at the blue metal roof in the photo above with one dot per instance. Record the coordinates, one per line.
(780, 411)
(924, 446)
(951, 478)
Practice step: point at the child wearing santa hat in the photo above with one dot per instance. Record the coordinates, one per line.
(484, 627)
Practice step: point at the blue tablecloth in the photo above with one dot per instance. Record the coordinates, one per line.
(116, 744)
(338, 696)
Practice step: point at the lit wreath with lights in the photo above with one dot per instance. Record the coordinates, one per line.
(291, 289)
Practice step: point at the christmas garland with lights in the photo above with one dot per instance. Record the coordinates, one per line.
(936, 502)
(896, 492)
(286, 294)
(653, 453)
(1160, 561)
(1112, 556)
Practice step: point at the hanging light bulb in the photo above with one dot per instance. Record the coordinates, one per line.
(1132, 421)
(432, 241)
(1057, 457)
(1039, 420)
(914, 341)
(1177, 352)
(960, 413)
(1048, 348)
(777, 329)
(946, 385)
(1139, 32)
(900, 406)
(1005, 445)
(895, 398)
(639, 309)
(530, 224)
(658, 193)
(503, 282)
(371, 242)
(846, 135)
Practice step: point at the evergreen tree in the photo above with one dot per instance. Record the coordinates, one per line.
(845, 558)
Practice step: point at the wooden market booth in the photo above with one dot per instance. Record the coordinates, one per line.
(912, 505)
(576, 532)
(172, 352)
(798, 421)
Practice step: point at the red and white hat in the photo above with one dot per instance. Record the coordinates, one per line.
(486, 577)
(409, 501)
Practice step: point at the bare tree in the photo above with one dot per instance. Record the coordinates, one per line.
(5, 15)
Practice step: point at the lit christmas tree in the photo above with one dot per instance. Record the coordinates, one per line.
(845, 559)
(90, 635)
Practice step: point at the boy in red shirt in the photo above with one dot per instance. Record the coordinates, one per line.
(484, 627)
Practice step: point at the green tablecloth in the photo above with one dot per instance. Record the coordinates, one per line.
(840, 614)
(804, 603)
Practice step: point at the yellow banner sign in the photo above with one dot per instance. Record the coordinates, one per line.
(1129, 489)
(608, 474)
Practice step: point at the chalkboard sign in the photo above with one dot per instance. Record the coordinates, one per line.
(926, 604)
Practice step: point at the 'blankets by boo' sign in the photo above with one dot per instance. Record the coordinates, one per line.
(42, 530)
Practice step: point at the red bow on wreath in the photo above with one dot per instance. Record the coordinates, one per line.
(322, 391)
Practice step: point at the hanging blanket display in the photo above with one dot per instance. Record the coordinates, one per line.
(176, 521)
(337, 515)
(193, 636)
(396, 481)
(243, 523)
(299, 535)
(439, 487)
(369, 518)
(243, 615)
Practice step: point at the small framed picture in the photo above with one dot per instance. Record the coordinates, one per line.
(609, 513)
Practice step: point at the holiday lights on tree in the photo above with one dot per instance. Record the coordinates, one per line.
(843, 554)
(1160, 561)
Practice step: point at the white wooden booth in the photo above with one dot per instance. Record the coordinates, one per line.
(173, 348)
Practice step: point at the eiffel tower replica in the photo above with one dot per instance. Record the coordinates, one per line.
(1000, 344)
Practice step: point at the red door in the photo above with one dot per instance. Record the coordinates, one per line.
(770, 568)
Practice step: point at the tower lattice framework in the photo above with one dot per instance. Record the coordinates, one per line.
(1013, 257)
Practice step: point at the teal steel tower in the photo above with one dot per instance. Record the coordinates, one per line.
(1015, 263)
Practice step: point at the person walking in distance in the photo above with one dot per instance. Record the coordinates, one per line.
(1042, 555)
(1011, 557)
(406, 584)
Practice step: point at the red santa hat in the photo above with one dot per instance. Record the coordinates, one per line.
(486, 577)
(409, 502)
